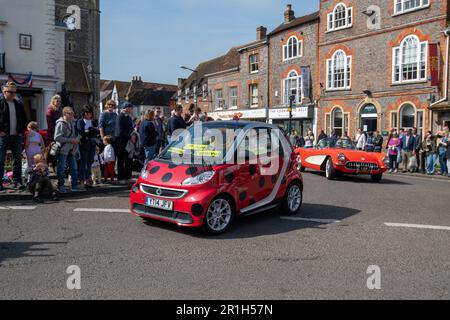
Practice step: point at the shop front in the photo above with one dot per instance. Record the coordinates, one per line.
(255, 115)
(302, 118)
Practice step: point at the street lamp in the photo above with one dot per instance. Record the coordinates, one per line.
(196, 80)
(290, 109)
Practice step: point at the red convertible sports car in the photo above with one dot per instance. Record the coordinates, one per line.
(182, 187)
(340, 156)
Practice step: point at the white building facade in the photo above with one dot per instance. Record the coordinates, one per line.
(32, 45)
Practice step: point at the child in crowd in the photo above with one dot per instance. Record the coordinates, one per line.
(39, 180)
(96, 167)
(109, 158)
(34, 143)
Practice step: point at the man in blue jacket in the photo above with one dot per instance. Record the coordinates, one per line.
(408, 149)
(176, 122)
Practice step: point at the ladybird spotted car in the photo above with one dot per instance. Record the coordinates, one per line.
(183, 187)
(340, 157)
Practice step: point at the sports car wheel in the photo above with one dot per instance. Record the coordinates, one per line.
(293, 199)
(377, 177)
(219, 216)
(329, 170)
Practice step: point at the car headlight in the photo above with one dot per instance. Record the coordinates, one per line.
(200, 179)
(386, 161)
(144, 173)
(341, 157)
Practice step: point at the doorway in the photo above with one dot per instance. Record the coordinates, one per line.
(369, 118)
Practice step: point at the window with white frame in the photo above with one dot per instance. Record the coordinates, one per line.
(407, 116)
(219, 100)
(254, 64)
(293, 48)
(403, 6)
(339, 71)
(253, 90)
(292, 86)
(234, 97)
(340, 18)
(186, 94)
(338, 122)
(205, 90)
(195, 94)
(179, 96)
(410, 60)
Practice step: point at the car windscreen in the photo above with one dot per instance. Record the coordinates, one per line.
(339, 143)
(202, 144)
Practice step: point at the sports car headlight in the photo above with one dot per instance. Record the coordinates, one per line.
(144, 173)
(200, 179)
(341, 157)
(386, 161)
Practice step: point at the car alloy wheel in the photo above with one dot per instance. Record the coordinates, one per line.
(294, 198)
(219, 216)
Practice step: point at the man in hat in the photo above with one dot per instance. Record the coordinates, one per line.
(124, 129)
(13, 124)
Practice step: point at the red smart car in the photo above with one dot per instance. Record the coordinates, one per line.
(217, 170)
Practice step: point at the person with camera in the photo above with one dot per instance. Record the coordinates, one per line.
(87, 129)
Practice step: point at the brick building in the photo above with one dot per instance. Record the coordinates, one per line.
(371, 64)
(243, 89)
(293, 61)
(143, 95)
(376, 68)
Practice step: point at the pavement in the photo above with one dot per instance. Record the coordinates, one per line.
(347, 228)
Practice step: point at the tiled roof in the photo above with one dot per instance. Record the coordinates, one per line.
(122, 87)
(296, 22)
(226, 62)
(151, 97)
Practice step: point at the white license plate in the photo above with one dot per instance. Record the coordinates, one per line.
(160, 204)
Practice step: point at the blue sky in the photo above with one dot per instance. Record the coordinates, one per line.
(153, 38)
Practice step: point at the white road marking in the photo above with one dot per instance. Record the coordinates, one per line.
(101, 210)
(325, 221)
(417, 226)
(24, 208)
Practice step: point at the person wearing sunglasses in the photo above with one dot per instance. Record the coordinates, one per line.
(13, 124)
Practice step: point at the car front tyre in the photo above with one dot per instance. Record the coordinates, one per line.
(330, 172)
(377, 177)
(219, 216)
(293, 199)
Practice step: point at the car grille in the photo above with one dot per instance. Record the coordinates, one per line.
(171, 215)
(162, 192)
(362, 166)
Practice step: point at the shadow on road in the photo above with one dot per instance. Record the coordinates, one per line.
(361, 179)
(17, 250)
(270, 223)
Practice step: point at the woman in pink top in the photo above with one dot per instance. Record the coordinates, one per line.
(393, 147)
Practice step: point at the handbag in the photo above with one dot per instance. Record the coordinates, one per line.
(55, 148)
(413, 165)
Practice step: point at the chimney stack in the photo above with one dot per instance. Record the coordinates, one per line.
(289, 14)
(261, 33)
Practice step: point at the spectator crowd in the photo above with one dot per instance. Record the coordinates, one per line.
(87, 151)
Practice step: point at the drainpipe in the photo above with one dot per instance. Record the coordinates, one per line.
(446, 79)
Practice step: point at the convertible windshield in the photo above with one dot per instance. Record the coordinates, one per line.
(202, 144)
(336, 144)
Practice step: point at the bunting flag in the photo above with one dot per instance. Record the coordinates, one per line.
(28, 82)
(115, 95)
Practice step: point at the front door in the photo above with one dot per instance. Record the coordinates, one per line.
(369, 124)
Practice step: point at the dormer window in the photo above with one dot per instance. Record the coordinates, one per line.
(404, 6)
(340, 18)
(293, 48)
